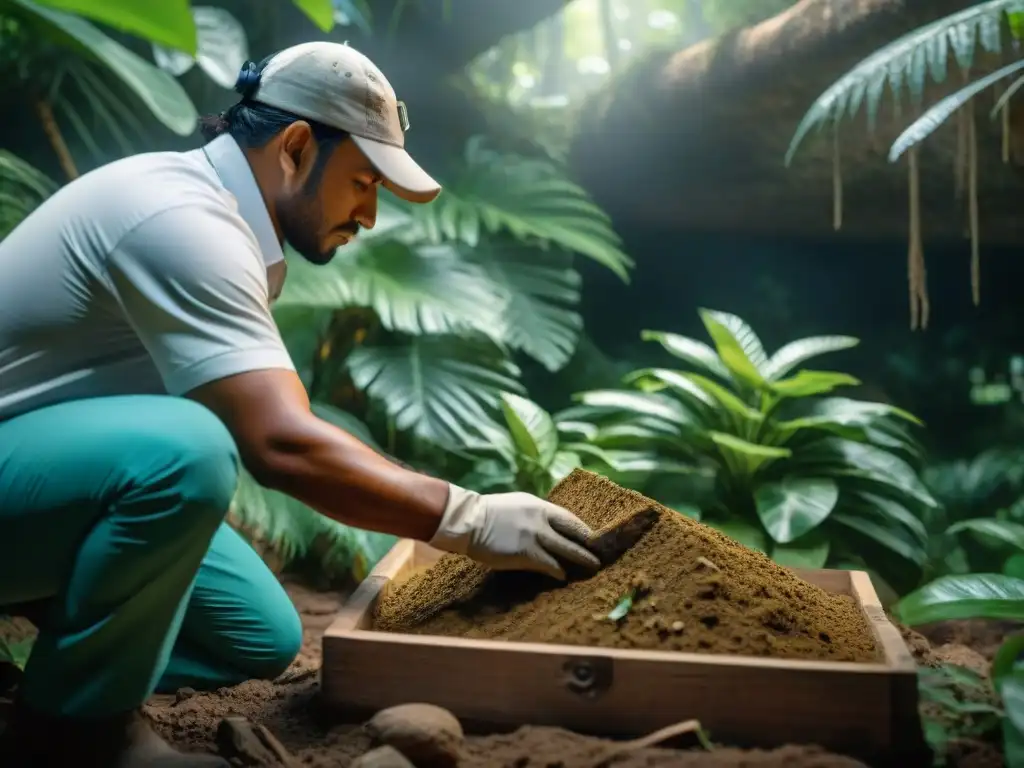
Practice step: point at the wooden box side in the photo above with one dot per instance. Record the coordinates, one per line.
(620, 692)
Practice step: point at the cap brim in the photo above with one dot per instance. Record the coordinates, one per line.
(402, 175)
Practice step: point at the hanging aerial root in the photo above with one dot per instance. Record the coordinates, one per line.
(972, 192)
(1005, 114)
(916, 274)
(962, 131)
(837, 181)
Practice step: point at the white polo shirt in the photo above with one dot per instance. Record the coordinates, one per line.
(147, 275)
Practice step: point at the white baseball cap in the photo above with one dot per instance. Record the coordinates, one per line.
(337, 86)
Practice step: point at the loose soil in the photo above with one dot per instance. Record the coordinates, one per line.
(693, 589)
(289, 707)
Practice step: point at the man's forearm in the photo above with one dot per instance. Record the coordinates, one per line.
(339, 476)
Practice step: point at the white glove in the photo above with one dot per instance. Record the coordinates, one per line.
(512, 532)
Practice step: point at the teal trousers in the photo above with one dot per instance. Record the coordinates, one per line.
(112, 526)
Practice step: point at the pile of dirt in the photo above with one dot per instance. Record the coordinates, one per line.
(289, 707)
(692, 589)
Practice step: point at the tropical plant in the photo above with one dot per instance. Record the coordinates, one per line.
(529, 454)
(981, 596)
(22, 189)
(808, 479)
(413, 328)
(981, 510)
(904, 67)
(66, 68)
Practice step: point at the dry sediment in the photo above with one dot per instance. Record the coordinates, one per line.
(692, 589)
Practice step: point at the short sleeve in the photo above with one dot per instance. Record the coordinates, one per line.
(192, 283)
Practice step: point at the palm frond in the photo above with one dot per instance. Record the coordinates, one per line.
(937, 114)
(443, 389)
(539, 317)
(906, 63)
(414, 290)
(222, 47)
(529, 199)
(22, 189)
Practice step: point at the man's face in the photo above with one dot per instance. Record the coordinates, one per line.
(322, 204)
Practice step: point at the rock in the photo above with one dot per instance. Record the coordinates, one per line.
(429, 736)
(382, 757)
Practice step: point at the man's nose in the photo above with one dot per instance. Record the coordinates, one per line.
(366, 214)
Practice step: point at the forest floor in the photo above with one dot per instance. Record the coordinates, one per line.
(289, 709)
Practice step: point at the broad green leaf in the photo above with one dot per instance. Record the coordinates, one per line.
(320, 12)
(528, 199)
(797, 352)
(1003, 531)
(1006, 658)
(730, 351)
(809, 551)
(889, 536)
(1014, 566)
(221, 50)
(747, 534)
(563, 463)
(786, 430)
(16, 652)
(972, 596)
(543, 290)
(428, 290)
(890, 509)
(681, 384)
(744, 335)
(438, 387)
(531, 428)
(873, 462)
(160, 92)
(660, 407)
(725, 398)
(845, 410)
(696, 353)
(794, 506)
(1011, 689)
(583, 429)
(744, 457)
(805, 383)
(355, 12)
(167, 22)
(489, 476)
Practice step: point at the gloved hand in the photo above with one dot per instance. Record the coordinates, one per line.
(513, 531)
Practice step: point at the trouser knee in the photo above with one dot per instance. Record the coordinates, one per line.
(199, 460)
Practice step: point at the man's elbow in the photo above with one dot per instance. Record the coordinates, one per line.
(278, 461)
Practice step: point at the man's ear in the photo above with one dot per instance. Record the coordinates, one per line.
(297, 153)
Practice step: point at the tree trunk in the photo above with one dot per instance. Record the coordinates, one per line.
(701, 133)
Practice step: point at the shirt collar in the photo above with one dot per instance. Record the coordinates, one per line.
(232, 167)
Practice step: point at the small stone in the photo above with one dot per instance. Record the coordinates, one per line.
(707, 564)
(677, 627)
(382, 757)
(429, 736)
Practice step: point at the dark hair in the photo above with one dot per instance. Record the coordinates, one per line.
(253, 124)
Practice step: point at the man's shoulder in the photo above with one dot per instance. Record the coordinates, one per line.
(148, 183)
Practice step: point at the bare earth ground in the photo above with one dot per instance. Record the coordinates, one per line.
(288, 707)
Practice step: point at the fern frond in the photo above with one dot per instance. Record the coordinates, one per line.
(936, 115)
(22, 189)
(527, 198)
(908, 61)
